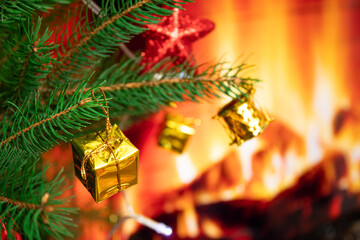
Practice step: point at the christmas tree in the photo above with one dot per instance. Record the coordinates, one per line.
(59, 82)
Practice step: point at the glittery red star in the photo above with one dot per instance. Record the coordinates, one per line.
(173, 37)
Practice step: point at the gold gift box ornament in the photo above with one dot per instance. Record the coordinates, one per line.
(243, 118)
(177, 131)
(105, 168)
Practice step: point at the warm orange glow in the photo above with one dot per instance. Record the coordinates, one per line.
(211, 228)
(185, 168)
(188, 226)
(301, 50)
(300, 57)
(307, 56)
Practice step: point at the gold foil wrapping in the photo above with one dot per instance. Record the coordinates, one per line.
(243, 119)
(109, 170)
(176, 132)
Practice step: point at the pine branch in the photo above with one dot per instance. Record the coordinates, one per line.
(85, 39)
(20, 204)
(169, 82)
(29, 204)
(134, 92)
(36, 129)
(92, 44)
(12, 11)
(27, 61)
(22, 74)
(44, 121)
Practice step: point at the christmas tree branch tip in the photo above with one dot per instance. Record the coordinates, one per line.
(30, 204)
(37, 124)
(13, 11)
(169, 81)
(26, 59)
(37, 128)
(117, 25)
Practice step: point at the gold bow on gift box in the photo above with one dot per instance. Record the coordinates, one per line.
(106, 162)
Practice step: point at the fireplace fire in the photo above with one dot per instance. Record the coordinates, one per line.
(285, 197)
(300, 179)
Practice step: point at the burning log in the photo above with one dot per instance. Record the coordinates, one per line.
(215, 205)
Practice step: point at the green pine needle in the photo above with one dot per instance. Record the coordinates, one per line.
(19, 10)
(36, 128)
(27, 62)
(24, 207)
(92, 42)
(134, 92)
(34, 121)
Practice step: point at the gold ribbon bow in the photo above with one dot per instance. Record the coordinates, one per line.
(108, 143)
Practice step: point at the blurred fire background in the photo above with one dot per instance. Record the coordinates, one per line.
(300, 179)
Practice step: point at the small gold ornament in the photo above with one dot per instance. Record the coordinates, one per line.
(106, 162)
(176, 132)
(243, 118)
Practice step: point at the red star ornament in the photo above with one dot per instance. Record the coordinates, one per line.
(173, 37)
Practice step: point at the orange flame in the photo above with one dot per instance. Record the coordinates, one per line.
(301, 50)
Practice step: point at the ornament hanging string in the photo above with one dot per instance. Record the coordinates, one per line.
(107, 144)
(106, 111)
